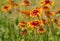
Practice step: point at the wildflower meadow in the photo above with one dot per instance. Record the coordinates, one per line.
(29, 20)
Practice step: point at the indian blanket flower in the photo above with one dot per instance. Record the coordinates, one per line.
(26, 12)
(26, 3)
(58, 12)
(36, 12)
(57, 21)
(6, 8)
(46, 7)
(16, 6)
(46, 2)
(49, 13)
(41, 30)
(13, 4)
(22, 24)
(24, 32)
(36, 23)
(45, 21)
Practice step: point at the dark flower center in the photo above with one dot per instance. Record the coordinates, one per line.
(5, 7)
(47, 1)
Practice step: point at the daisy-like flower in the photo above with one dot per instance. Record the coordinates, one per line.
(16, 5)
(57, 21)
(13, 4)
(26, 3)
(58, 12)
(46, 2)
(41, 30)
(26, 12)
(45, 21)
(36, 23)
(6, 8)
(22, 24)
(24, 32)
(36, 12)
(49, 13)
(46, 7)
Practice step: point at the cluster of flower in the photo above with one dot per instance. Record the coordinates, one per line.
(35, 24)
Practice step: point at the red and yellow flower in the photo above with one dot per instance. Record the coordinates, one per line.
(41, 30)
(26, 3)
(36, 23)
(6, 8)
(46, 7)
(46, 21)
(57, 21)
(26, 12)
(24, 32)
(22, 24)
(46, 2)
(49, 13)
(36, 12)
(58, 12)
(13, 4)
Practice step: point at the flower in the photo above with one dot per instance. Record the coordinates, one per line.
(42, 3)
(41, 30)
(26, 12)
(45, 21)
(36, 23)
(24, 32)
(22, 24)
(41, 22)
(6, 8)
(57, 21)
(58, 12)
(49, 13)
(13, 4)
(36, 12)
(46, 7)
(46, 2)
(16, 6)
(26, 3)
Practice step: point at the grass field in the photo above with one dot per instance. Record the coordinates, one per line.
(14, 14)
